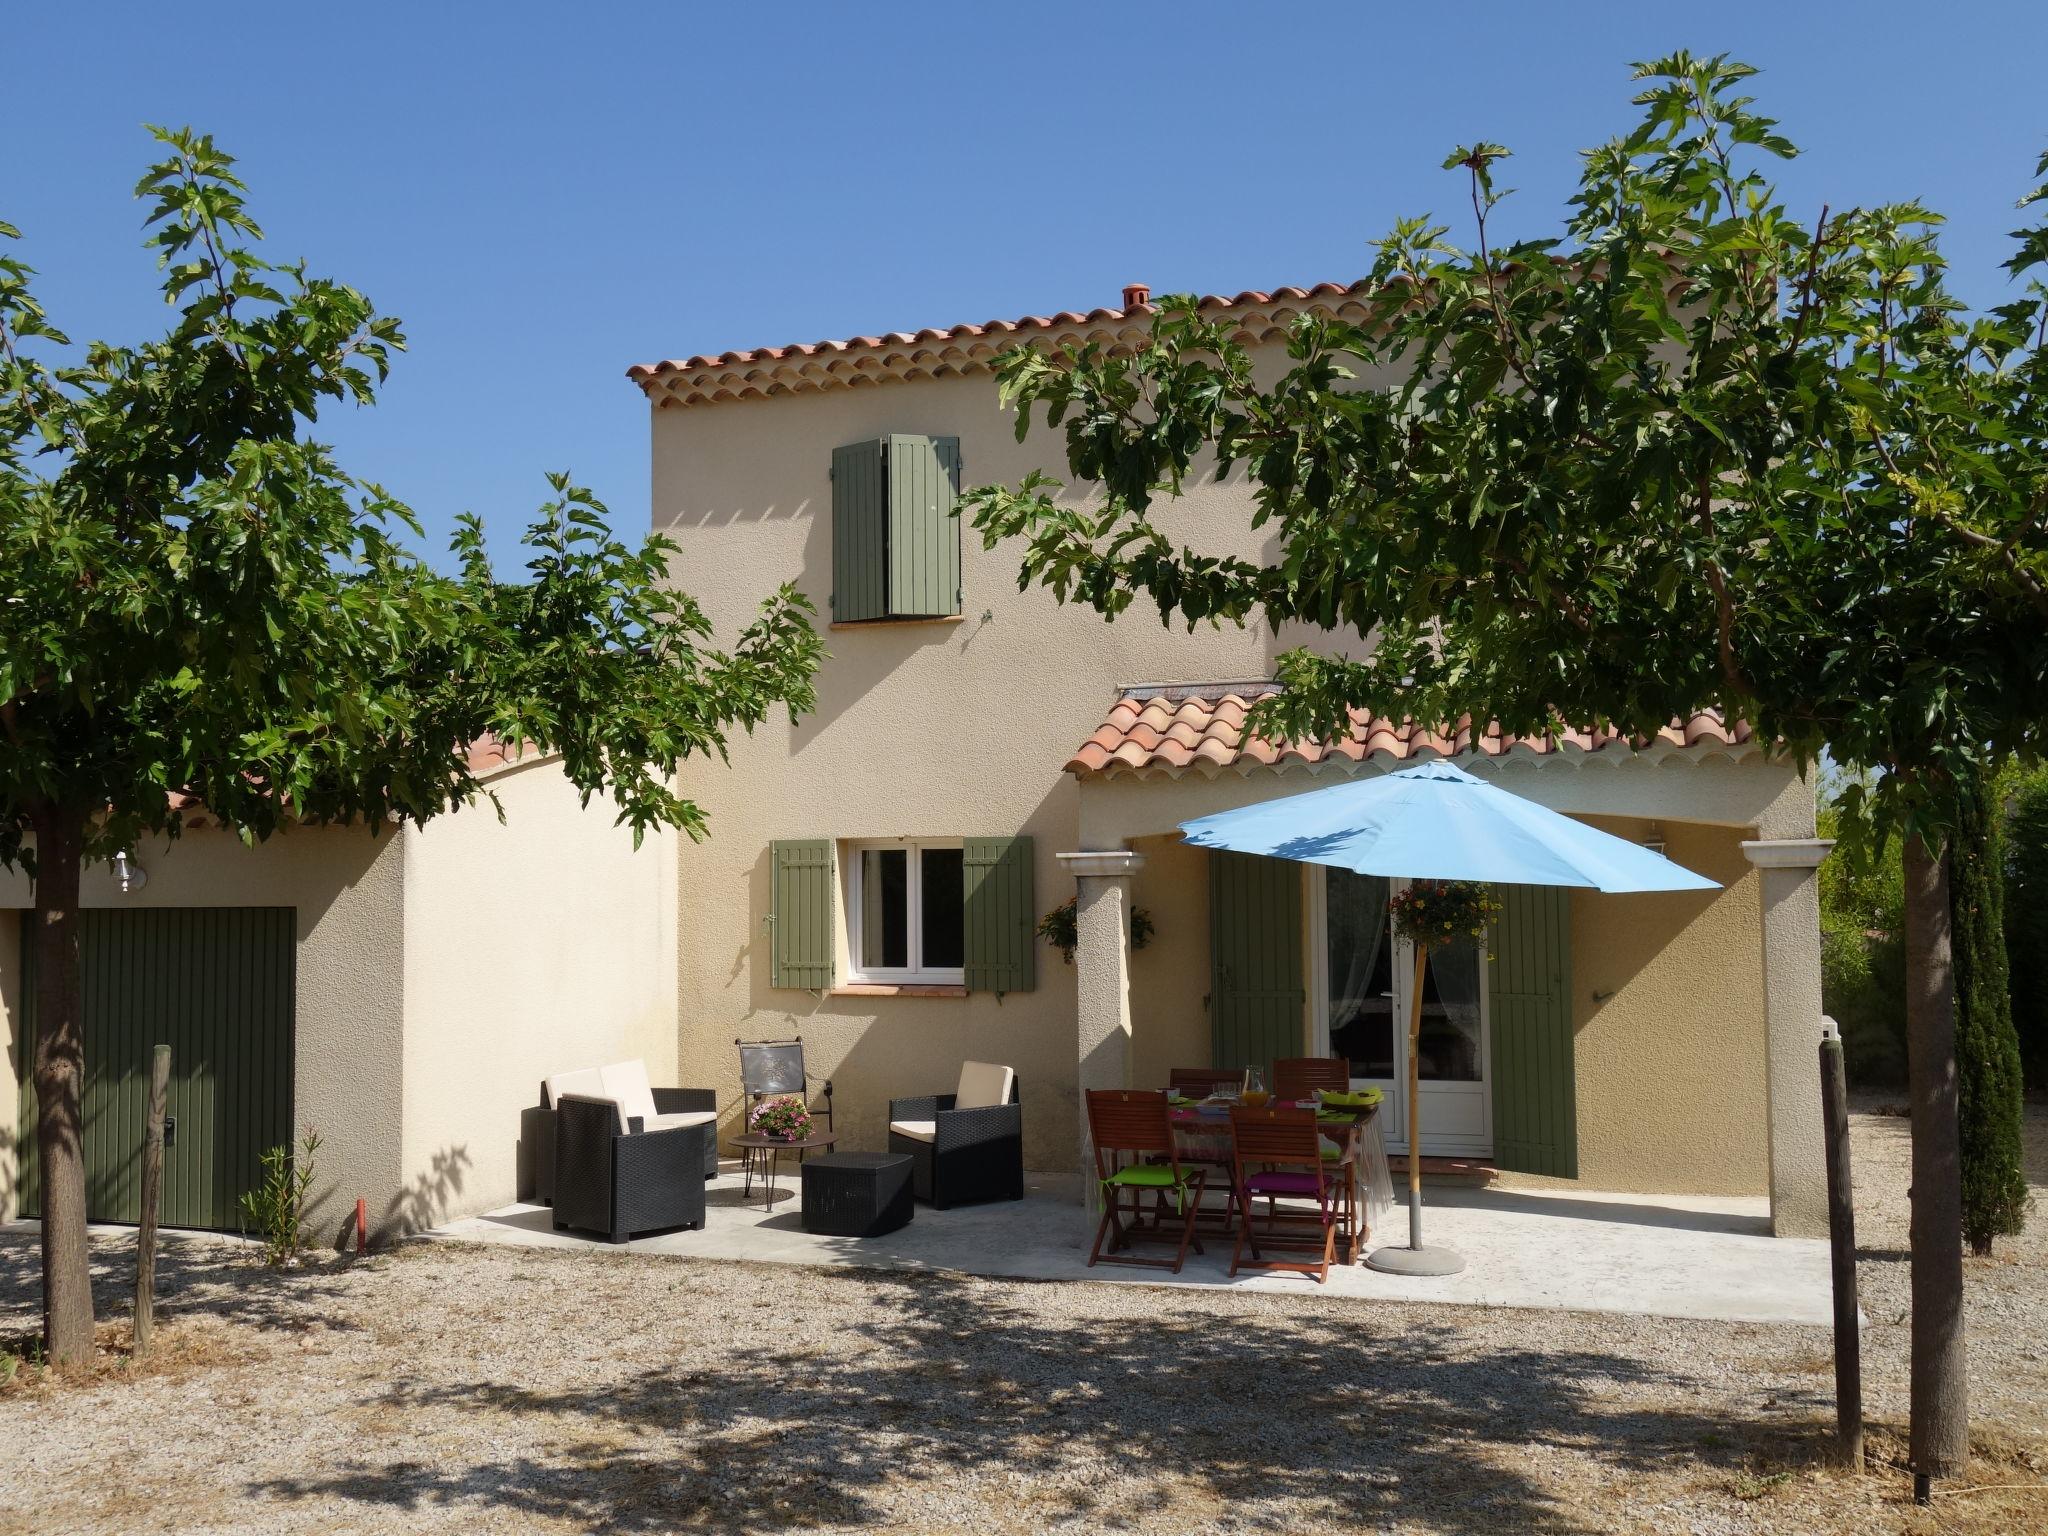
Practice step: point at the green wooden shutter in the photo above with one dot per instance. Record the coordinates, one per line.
(924, 535)
(1256, 994)
(216, 985)
(800, 914)
(1000, 953)
(1535, 1095)
(860, 533)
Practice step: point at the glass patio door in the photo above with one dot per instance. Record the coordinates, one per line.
(1361, 994)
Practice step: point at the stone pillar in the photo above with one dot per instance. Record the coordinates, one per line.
(1792, 1030)
(1102, 982)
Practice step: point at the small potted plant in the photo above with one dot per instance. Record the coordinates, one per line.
(785, 1117)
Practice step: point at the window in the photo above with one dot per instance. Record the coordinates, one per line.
(906, 911)
(895, 538)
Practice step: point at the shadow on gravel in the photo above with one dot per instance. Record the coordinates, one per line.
(1356, 1420)
(195, 1275)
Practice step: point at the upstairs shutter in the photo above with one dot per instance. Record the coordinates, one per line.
(800, 914)
(1000, 953)
(924, 535)
(1535, 1093)
(1256, 992)
(860, 533)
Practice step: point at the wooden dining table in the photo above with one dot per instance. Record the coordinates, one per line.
(1201, 1133)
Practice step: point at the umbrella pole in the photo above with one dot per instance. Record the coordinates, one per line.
(1415, 1099)
(1415, 1259)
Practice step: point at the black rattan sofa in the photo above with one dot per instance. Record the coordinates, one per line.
(967, 1145)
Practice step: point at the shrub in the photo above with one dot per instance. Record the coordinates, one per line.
(275, 1210)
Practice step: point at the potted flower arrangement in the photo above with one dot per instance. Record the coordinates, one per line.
(786, 1118)
(1432, 913)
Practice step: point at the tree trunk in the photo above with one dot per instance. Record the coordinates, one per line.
(60, 1086)
(1940, 1439)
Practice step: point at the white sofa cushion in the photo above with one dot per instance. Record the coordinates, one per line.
(916, 1130)
(983, 1084)
(685, 1117)
(589, 1083)
(626, 1081)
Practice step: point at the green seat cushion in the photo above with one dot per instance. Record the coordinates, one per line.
(1147, 1176)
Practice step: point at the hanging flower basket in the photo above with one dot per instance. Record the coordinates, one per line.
(785, 1118)
(1433, 913)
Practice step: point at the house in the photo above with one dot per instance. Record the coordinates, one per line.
(402, 994)
(980, 755)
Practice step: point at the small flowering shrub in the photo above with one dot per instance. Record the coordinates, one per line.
(1434, 913)
(785, 1118)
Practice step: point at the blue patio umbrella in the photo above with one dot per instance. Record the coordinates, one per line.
(1434, 821)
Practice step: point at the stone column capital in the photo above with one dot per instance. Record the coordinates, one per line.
(1787, 852)
(1104, 863)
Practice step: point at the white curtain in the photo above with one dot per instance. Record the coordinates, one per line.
(1357, 929)
(1459, 970)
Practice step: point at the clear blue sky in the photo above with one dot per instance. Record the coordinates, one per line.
(548, 193)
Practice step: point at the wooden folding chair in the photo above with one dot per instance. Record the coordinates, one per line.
(1135, 1122)
(1298, 1077)
(1277, 1154)
(1196, 1082)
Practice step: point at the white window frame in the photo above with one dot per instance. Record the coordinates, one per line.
(916, 973)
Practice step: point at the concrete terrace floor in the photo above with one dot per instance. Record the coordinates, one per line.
(1652, 1255)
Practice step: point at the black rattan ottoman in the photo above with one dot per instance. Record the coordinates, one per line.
(856, 1194)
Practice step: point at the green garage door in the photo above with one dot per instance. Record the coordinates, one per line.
(215, 984)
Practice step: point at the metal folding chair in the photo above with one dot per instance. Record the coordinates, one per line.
(1134, 1123)
(773, 1069)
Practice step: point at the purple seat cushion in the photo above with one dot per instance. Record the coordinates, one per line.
(1274, 1183)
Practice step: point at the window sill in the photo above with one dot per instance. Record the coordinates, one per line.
(943, 618)
(898, 989)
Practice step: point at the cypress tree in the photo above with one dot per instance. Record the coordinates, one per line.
(1987, 1050)
(2026, 923)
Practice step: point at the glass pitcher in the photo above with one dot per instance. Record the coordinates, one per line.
(1254, 1092)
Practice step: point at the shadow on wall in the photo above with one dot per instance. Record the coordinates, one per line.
(426, 1201)
(10, 1167)
(1356, 1420)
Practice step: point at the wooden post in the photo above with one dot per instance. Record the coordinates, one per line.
(1415, 1100)
(152, 1196)
(1834, 1107)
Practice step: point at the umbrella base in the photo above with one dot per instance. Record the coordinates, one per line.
(1394, 1260)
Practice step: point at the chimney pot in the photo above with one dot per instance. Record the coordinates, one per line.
(1136, 295)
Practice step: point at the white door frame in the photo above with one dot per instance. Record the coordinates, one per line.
(1435, 1141)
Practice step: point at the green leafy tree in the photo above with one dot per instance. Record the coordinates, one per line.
(1863, 958)
(200, 606)
(1990, 1108)
(2026, 922)
(1693, 451)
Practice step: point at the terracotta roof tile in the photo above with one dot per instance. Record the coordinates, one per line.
(755, 372)
(1167, 728)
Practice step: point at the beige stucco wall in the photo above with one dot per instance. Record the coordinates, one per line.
(1670, 1058)
(537, 946)
(938, 730)
(962, 729)
(346, 889)
(441, 973)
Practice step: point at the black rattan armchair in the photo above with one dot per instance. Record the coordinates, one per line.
(959, 1156)
(614, 1177)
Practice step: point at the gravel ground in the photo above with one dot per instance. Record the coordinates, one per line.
(456, 1389)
